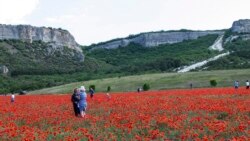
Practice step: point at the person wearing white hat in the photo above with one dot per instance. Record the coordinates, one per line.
(82, 88)
(12, 98)
(83, 101)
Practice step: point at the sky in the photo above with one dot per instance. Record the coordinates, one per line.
(93, 21)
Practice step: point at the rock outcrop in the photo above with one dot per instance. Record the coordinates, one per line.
(241, 26)
(153, 39)
(56, 37)
(4, 70)
(240, 29)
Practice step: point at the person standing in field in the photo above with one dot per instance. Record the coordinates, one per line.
(91, 91)
(83, 101)
(75, 100)
(191, 85)
(12, 98)
(236, 86)
(108, 96)
(247, 84)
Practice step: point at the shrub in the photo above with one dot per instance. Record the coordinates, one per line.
(108, 89)
(213, 83)
(146, 87)
(92, 86)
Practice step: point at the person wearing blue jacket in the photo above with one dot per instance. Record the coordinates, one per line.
(83, 101)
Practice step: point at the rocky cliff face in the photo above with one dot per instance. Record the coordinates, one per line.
(56, 37)
(240, 29)
(241, 26)
(157, 38)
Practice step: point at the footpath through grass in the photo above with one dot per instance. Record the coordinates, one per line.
(158, 81)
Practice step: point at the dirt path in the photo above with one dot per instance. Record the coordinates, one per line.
(217, 44)
(202, 63)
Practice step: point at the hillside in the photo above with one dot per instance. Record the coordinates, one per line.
(238, 59)
(135, 58)
(27, 49)
(169, 51)
(159, 81)
(39, 57)
(93, 69)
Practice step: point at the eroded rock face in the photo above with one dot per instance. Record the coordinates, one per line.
(241, 26)
(58, 37)
(157, 38)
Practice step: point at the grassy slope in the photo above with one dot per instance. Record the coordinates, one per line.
(158, 81)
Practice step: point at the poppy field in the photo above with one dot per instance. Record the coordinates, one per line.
(197, 114)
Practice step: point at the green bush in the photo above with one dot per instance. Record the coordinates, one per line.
(213, 83)
(146, 87)
(108, 89)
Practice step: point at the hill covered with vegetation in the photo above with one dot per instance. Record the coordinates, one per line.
(32, 66)
(238, 59)
(38, 57)
(136, 59)
(38, 64)
(28, 74)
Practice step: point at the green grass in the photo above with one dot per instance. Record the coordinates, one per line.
(158, 81)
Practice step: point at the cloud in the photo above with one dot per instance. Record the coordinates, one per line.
(15, 11)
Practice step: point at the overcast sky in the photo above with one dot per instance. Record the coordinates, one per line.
(93, 21)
